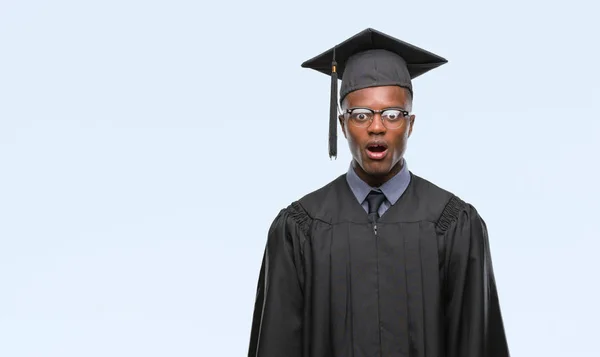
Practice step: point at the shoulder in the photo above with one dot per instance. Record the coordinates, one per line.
(303, 211)
(322, 193)
(438, 204)
(322, 203)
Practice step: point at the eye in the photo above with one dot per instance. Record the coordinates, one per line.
(393, 114)
(360, 115)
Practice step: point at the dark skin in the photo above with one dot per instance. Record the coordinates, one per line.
(377, 172)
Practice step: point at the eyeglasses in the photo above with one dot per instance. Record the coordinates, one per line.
(392, 118)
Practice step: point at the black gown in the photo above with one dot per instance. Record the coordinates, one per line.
(421, 284)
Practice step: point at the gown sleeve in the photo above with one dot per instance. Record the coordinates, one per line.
(277, 322)
(474, 326)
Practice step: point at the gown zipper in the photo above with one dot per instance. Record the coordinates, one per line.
(378, 300)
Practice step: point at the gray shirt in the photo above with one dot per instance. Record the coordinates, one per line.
(392, 189)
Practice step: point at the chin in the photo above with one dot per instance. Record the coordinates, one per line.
(376, 168)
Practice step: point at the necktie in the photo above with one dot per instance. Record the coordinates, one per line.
(375, 199)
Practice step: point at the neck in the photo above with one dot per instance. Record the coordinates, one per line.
(377, 180)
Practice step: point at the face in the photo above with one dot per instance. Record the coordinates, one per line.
(377, 151)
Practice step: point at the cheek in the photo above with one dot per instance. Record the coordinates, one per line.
(354, 142)
(352, 136)
(401, 140)
(351, 141)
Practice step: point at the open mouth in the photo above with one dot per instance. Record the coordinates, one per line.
(376, 148)
(376, 151)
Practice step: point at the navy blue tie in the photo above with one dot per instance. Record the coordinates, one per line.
(375, 199)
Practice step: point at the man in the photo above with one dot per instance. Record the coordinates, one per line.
(379, 262)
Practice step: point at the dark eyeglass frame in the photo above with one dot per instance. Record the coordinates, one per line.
(405, 114)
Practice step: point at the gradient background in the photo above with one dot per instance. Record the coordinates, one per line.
(146, 146)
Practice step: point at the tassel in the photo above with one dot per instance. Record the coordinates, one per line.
(333, 109)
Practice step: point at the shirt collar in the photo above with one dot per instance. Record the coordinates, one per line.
(392, 189)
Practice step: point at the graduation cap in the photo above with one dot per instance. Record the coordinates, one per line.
(369, 59)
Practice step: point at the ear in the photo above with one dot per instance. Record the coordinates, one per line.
(342, 125)
(410, 125)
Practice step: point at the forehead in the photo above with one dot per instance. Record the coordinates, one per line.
(378, 97)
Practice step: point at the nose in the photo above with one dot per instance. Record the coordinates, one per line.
(377, 126)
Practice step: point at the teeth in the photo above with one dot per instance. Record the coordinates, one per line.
(377, 148)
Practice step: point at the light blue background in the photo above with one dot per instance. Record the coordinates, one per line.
(146, 146)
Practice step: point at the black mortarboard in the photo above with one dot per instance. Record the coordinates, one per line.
(370, 59)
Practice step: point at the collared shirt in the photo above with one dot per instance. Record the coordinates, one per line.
(392, 189)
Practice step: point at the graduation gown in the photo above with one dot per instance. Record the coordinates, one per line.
(418, 283)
